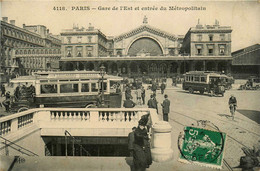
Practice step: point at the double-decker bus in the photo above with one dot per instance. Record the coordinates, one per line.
(204, 81)
(66, 89)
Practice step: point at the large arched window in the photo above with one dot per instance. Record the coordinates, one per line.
(145, 46)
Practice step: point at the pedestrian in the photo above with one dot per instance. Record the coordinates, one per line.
(99, 100)
(232, 102)
(154, 87)
(140, 158)
(143, 95)
(152, 103)
(166, 107)
(128, 92)
(131, 138)
(3, 90)
(163, 86)
(128, 103)
(7, 101)
(138, 96)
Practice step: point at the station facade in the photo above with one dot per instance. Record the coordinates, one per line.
(147, 51)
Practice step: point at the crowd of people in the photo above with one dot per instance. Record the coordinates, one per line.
(140, 94)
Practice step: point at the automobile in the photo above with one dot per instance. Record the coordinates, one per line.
(253, 83)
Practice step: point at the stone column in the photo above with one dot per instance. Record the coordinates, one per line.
(179, 68)
(161, 142)
(204, 65)
(128, 68)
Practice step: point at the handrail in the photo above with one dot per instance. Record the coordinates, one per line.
(67, 132)
(12, 143)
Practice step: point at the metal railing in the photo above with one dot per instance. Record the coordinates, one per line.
(16, 147)
(74, 140)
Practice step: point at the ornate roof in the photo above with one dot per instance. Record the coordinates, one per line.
(147, 28)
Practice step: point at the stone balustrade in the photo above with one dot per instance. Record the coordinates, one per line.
(91, 121)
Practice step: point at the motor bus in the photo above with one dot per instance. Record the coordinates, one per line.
(66, 89)
(204, 81)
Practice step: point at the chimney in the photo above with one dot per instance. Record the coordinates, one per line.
(12, 22)
(23, 25)
(5, 19)
(47, 31)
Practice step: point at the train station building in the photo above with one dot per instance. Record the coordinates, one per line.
(148, 51)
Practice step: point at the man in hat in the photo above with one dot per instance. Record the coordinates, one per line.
(152, 103)
(163, 86)
(166, 107)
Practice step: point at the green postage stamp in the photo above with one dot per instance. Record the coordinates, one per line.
(203, 147)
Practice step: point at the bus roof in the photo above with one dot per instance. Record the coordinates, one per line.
(211, 73)
(24, 79)
(64, 75)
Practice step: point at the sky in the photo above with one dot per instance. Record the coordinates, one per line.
(243, 17)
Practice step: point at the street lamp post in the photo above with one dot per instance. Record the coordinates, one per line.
(102, 73)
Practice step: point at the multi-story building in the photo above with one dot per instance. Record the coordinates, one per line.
(147, 50)
(14, 37)
(37, 59)
(246, 62)
(209, 47)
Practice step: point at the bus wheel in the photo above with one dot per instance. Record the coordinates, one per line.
(90, 106)
(201, 92)
(22, 109)
(190, 90)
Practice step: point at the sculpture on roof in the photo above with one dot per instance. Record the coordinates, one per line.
(145, 20)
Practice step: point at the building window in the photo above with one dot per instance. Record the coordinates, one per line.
(222, 49)
(110, 46)
(222, 37)
(69, 39)
(171, 52)
(79, 51)
(79, 39)
(210, 49)
(69, 52)
(199, 49)
(89, 51)
(119, 53)
(210, 37)
(199, 37)
(89, 39)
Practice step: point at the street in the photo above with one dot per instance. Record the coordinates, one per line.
(186, 109)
